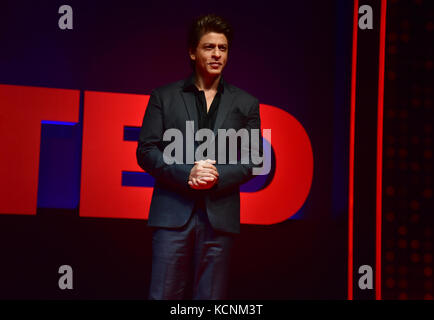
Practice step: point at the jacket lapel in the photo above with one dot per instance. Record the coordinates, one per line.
(224, 108)
(190, 106)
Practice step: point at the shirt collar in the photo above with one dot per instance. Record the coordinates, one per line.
(190, 86)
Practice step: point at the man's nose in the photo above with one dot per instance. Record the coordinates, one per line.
(217, 53)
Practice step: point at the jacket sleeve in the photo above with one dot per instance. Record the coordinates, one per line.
(233, 175)
(149, 150)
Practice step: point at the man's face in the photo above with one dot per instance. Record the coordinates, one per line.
(211, 54)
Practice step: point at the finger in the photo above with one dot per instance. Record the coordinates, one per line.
(197, 181)
(208, 166)
(210, 161)
(210, 178)
(208, 170)
(194, 180)
(214, 173)
(201, 182)
(192, 185)
(207, 175)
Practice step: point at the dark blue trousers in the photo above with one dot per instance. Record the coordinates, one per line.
(194, 257)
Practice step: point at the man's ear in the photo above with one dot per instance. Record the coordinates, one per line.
(192, 54)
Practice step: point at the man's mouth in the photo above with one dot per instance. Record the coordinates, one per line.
(215, 65)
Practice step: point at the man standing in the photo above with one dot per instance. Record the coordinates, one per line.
(195, 208)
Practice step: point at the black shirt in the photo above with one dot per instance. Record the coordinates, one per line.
(206, 119)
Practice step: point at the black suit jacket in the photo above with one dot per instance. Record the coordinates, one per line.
(173, 199)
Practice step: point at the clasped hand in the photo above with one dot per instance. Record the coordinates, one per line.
(203, 175)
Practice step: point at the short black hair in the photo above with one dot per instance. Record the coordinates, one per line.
(204, 24)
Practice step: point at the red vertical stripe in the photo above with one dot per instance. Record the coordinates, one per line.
(351, 156)
(380, 148)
